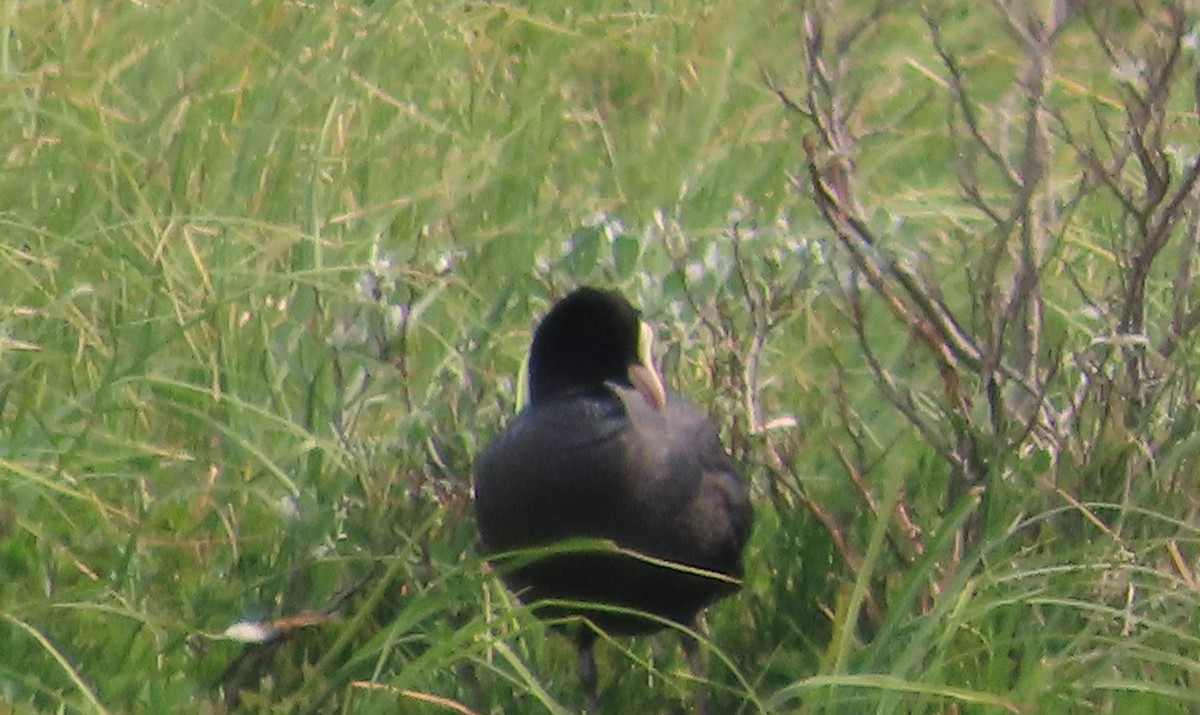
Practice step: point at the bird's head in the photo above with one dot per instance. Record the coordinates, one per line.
(589, 339)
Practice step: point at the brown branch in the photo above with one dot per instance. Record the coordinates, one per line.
(965, 105)
(910, 530)
(937, 327)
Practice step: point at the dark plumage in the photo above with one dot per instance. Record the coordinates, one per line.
(603, 451)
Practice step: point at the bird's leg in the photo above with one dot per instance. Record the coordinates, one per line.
(585, 641)
(695, 660)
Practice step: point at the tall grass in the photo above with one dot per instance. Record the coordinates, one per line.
(267, 272)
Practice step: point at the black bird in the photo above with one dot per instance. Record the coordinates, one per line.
(603, 451)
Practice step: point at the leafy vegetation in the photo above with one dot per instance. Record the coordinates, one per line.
(267, 273)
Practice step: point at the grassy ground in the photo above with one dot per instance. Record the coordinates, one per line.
(267, 271)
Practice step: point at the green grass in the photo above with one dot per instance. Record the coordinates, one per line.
(267, 271)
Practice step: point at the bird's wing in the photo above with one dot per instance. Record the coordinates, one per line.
(553, 473)
(686, 486)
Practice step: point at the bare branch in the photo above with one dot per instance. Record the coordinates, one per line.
(965, 105)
